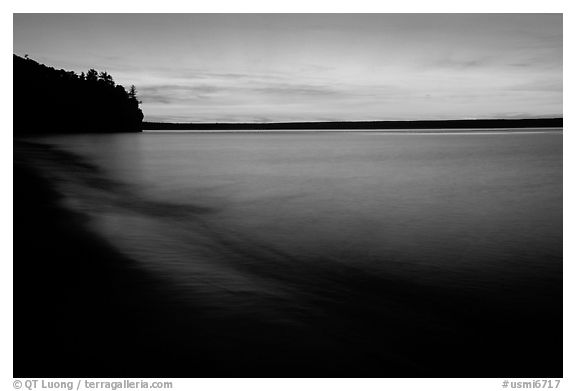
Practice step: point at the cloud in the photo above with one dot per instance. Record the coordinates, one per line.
(291, 90)
(247, 89)
(451, 62)
(537, 86)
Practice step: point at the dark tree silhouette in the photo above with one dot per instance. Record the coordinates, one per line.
(48, 100)
(92, 75)
(106, 78)
(132, 92)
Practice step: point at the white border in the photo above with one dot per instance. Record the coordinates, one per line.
(295, 6)
(256, 6)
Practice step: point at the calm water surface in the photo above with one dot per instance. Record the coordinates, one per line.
(367, 235)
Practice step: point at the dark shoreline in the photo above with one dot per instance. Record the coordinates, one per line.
(83, 309)
(74, 293)
(364, 125)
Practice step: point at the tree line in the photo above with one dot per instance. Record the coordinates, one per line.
(48, 100)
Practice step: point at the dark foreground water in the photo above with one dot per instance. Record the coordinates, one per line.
(339, 254)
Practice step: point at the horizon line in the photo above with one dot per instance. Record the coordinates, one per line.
(357, 121)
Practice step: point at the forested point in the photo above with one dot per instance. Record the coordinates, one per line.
(48, 100)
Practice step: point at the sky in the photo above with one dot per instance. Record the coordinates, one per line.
(313, 67)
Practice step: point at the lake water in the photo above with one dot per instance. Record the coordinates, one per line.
(420, 250)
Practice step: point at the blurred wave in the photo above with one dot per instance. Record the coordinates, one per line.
(393, 248)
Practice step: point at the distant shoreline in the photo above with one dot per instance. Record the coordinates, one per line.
(366, 125)
(363, 131)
